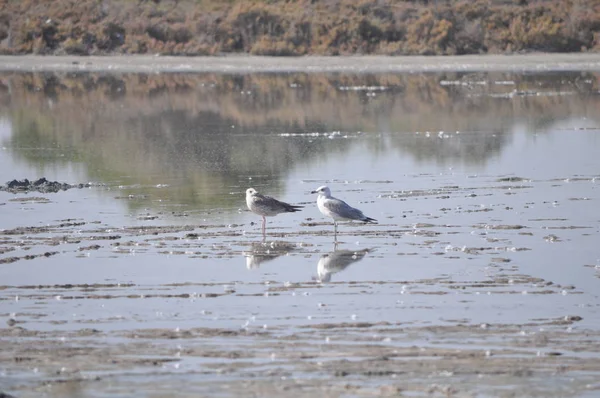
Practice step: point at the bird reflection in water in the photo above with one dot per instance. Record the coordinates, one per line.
(261, 252)
(337, 261)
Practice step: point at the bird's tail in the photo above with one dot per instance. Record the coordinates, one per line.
(293, 208)
(369, 220)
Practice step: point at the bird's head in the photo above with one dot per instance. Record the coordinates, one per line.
(323, 190)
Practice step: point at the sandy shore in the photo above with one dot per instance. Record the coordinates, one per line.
(242, 64)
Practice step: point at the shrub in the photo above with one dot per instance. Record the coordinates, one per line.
(75, 47)
(267, 46)
(113, 36)
(283, 27)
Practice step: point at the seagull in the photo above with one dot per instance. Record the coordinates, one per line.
(338, 209)
(267, 206)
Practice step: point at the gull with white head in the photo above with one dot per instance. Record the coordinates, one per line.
(266, 206)
(338, 209)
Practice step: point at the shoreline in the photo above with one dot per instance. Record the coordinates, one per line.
(539, 62)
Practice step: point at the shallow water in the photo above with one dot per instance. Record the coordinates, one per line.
(485, 185)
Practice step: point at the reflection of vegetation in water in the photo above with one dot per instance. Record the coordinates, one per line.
(202, 133)
(474, 147)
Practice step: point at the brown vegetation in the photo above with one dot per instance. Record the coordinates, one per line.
(280, 27)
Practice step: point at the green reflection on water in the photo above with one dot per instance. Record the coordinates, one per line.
(205, 134)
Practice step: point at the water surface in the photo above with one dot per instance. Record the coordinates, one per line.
(485, 186)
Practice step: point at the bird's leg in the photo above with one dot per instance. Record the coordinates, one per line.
(335, 231)
(264, 225)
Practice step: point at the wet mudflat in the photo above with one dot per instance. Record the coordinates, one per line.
(480, 279)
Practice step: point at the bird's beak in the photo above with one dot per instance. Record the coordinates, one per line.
(313, 191)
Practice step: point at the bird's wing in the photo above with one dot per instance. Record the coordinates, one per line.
(343, 209)
(270, 203)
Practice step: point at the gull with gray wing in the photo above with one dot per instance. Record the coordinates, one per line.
(266, 206)
(337, 209)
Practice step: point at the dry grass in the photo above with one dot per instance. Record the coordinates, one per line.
(280, 27)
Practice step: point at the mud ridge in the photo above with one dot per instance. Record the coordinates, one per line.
(40, 185)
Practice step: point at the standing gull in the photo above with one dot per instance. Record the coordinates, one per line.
(338, 209)
(267, 206)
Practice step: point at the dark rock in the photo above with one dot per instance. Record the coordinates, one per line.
(15, 184)
(41, 181)
(40, 185)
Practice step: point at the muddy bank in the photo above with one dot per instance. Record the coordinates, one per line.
(315, 64)
(40, 185)
(232, 335)
(365, 360)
